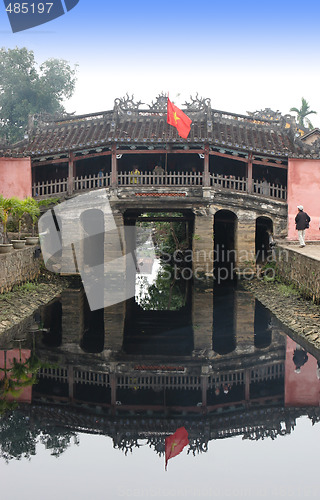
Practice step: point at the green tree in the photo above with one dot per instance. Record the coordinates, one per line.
(33, 210)
(7, 207)
(27, 89)
(302, 114)
(19, 210)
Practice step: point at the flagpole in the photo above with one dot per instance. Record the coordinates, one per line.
(166, 157)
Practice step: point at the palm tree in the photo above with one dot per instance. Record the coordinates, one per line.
(7, 206)
(302, 113)
(32, 208)
(19, 209)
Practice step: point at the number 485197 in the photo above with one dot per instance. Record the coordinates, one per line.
(25, 8)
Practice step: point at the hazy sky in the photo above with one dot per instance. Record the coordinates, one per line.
(243, 55)
(232, 469)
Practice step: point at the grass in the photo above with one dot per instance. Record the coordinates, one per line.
(287, 290)
(24, 288)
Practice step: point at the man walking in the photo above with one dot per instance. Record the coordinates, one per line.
(302, 223)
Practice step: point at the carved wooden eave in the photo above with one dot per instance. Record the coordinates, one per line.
(134, 126)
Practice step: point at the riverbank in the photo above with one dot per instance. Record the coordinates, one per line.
(23, 300)
(299, 315)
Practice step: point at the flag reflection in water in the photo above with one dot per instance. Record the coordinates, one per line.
(175, 443)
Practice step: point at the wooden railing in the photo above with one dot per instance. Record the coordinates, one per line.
(58, 374)
(230, 377)
(165, 179)
(154, 380)
(182, 179)
(89, 182)
(228, 182)
(268, 189)
(267, 372)
(50, 188)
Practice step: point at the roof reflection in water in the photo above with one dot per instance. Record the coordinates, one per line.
(221, 366)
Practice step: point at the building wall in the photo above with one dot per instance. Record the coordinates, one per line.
(301, 389)
(15, 177)
(301, 270)
(19, 266)
(26, 393)
(303, 189)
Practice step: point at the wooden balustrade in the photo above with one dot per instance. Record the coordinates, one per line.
(58, 374)
(228, 182)
(131, 380)
(182, 179)
(267, 372)
(166, 179)
(89, 182)
(50, 188)
(268, 189)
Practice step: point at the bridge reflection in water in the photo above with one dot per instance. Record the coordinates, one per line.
(220, 366)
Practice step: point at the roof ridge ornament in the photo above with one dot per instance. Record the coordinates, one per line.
(126, 105)
(198, 104)
(160, 103)
(266, 114)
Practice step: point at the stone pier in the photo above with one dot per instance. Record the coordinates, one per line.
(202, 245)
(245, 243)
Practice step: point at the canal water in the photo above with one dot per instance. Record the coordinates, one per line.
(89, 398)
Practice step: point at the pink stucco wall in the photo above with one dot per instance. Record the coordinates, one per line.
(301, 389)
(15, 177)
(304, 189)
(25, 395)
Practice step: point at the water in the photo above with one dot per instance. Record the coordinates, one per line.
(115, 383)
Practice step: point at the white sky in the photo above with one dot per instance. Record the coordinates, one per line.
(243, 55)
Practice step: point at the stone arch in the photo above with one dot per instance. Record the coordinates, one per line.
(262, 326)
(224, 328)
(264, 227)
(225, 229)
(51, 318)
(92, 340)
(93, 235)
(92, 225)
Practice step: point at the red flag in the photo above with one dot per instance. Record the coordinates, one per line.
(178, 119)
(175, 443)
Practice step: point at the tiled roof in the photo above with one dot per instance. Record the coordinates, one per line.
(128, 125)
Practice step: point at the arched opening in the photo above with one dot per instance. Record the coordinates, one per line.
(93, 335)
(264, 232)
(158, 317)
(262, 327)
(225, 225)
(51, 319)
(224, 336)
(92, 222)
(161, 242)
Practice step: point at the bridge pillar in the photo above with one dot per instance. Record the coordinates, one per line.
(115, 262)
(202, 243)
(114, 167)
(244, 304)
(202, 321)
(72, 302)
(71, 174)
(114, 317)
(245, 243)
(71, 254)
